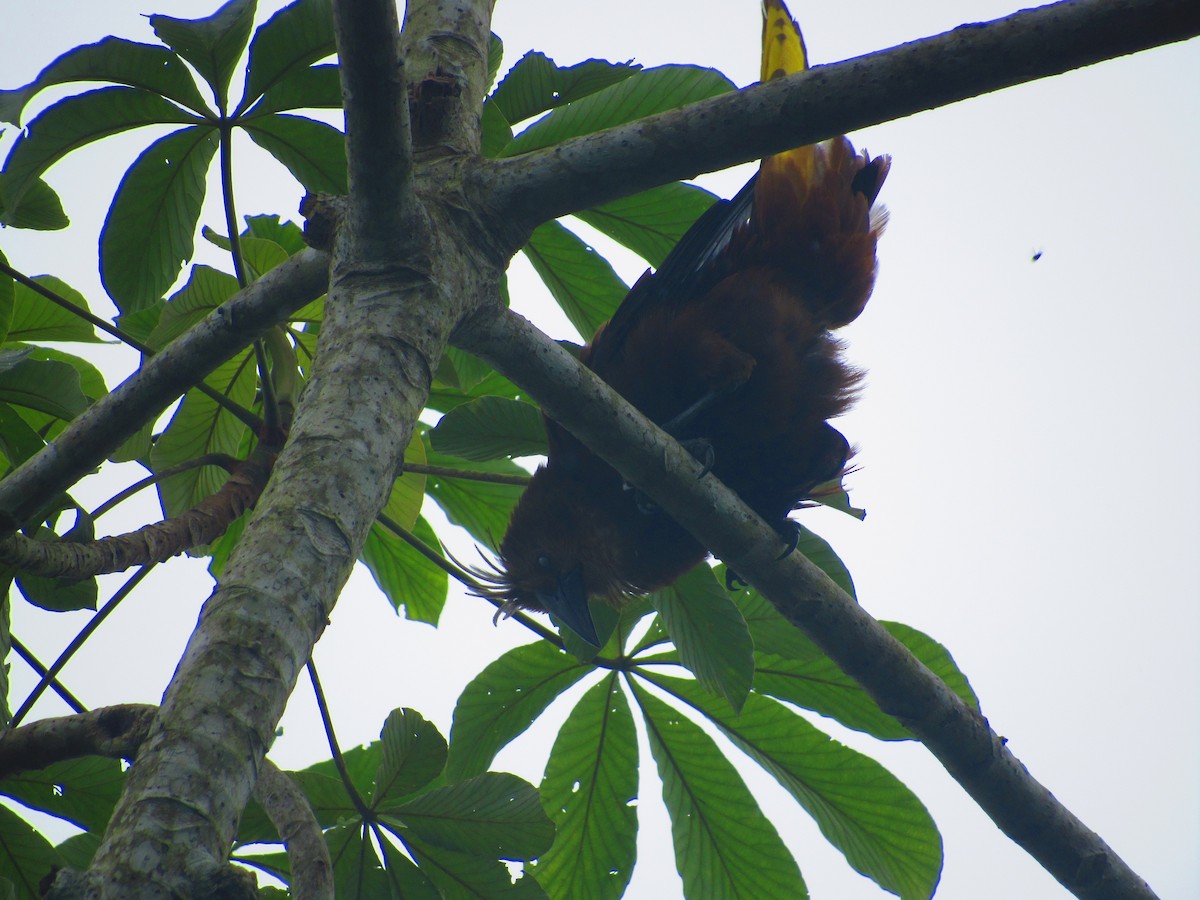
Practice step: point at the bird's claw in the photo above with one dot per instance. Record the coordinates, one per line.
(790, 532)
(702, 450)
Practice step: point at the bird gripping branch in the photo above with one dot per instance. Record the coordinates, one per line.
(728, 348)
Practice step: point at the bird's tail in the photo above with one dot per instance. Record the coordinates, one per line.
(815, 206)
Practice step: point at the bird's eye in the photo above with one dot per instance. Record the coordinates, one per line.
(543, 562)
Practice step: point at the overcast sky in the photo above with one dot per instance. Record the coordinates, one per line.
(1028, 435)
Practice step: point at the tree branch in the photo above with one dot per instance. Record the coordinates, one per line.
(958, 736)
(826, 101)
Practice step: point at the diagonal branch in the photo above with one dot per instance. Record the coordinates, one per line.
(959, 737)
(826, 101)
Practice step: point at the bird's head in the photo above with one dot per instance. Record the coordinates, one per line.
(561, 548)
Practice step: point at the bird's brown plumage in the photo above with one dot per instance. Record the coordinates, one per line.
(737, 320)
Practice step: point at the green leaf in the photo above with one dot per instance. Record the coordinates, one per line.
(494, 815)
(58, 594)
(286, 234)
(357, 872)
(643, 94)
(40, 208)
(79, 850)
(464, 876)
(590, 791)
(28, 857)
(206, 289)
(76, 122)
(491, 428)
(724, 846)
(414, 753)
(48, 386)
(494, 130)
(8, 295)
(818, 551)
(481, 507)
(772, 633)
(404, 575)
(861, 808)
(580, 279)
(317, 87)
(315, 153)
(200, 427)
(650, 223)
(83, 791)
(116, 60)
(407, 881)
(712, 637)
(35, 318)
(495, 56)
(489, 383)
(503, 700)
(213, 45)
(294, 38)
(18, 441)
(150, 228)
(536, 84)
(818, 684)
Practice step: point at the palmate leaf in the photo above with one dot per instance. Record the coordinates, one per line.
(650, 223)
(294, 38)
(40, 208)
(34, 318)
(316, 87)
(82, 791)
(724, 846)
(490, 428)
(404, 575)
(861, 808)
(51, 387)
(28, 857)
(18, 441)
(115, 60)
(818, 684)
(315, 153)
(414, 754)
(357, 871)
(213, 45)
(206, 289)
(503, 700)
(150, 228)
(199, 427)
(481, 507)
(580, 279)
(589, 790)
(535, 84)
(494, 815)
(76, 122)
(642, 94)
(709, 632)
(463, 876)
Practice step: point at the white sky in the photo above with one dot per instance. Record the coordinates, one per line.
(1029, 433)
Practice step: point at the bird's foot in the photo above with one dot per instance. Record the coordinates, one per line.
(790, 532)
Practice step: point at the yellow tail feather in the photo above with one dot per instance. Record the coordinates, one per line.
(783, 51)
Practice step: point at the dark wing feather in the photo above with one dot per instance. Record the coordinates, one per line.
(689, 270)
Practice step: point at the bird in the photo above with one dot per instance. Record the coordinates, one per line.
(727, 347)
